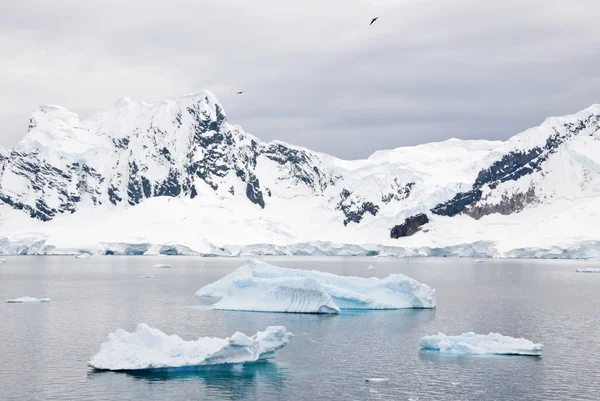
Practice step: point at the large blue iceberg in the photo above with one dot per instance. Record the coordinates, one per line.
(258, 286)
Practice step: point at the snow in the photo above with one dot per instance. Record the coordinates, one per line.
(480, 344)
(149, 348)
(259, 286)
(27, 300)
(588, 270)
(162, 266)
(560, 224)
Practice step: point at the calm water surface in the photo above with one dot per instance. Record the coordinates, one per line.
(44, 347)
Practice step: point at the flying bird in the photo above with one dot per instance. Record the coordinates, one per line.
(373, 20)
(240, 92)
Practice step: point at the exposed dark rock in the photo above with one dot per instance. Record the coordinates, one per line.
(410, 226)
(509, 204)
(400, 192)
(254, 193)
(170, 186)
(355, 207)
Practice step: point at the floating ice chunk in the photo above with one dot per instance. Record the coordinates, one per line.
(146, 276)
(292, 295)
(480, 344)
(27, 300)
(258, 286)
(371, 267)
(2, 260)
(377, 380)
(148, 348)
(162, 265)
(83, 256)
(588, 270)
(478, 261)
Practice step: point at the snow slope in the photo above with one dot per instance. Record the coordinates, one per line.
(148, 348)
(259, 286)
(176, 178)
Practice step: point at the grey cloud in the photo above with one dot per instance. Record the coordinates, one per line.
(314, 73)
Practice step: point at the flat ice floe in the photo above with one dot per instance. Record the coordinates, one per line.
(588, 270)
(258, 286)
(27, 300)
(148, 348)
(480, 344)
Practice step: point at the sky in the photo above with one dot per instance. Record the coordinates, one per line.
(314, 73)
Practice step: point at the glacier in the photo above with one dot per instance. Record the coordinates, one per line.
(27, 300)
(259, 286)
(177, 178)
(150, 348)
(480, 344)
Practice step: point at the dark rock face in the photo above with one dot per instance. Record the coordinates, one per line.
(254, 193)
(148, 162)
(410, 226)
(509, 203)
(399, 192)
(355, 207)
(511, 167)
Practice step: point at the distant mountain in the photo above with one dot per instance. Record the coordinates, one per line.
(105, 185)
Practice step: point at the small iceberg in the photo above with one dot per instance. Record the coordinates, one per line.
(588, 270)
(147, 276)
(371, 267)
(258, 286)
(83, 256)
(27, 300)
(148, 348)
(2, 260)
(480, 344)
(478, 261)
(377, 380)
(162, 266)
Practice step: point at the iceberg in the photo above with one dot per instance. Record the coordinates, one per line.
(378, 380)
(83, 256)
(480, 344)
(162, 266)
(149, 348)
(27, 300)
(588, 270)
(258, 286)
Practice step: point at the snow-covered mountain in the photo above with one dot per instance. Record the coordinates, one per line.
(176, 177)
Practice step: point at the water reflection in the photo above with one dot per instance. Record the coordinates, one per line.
(231, 382)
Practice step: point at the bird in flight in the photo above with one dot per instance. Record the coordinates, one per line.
(373, 20)
(240, 92)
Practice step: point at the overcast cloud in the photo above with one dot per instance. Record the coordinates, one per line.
(314, 73)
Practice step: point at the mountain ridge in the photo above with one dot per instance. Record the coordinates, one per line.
(186, 148)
